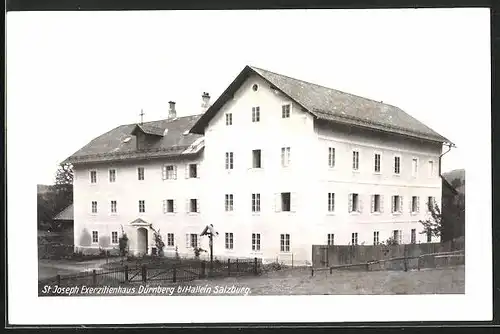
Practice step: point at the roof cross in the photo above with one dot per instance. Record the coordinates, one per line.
(142, 115)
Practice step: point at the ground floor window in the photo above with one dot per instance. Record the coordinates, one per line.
(229, 241)
(95, 237)
(170, 239)
(285, 242)
(331, 238)
(256, 241)
(114, 237)
(354, 238)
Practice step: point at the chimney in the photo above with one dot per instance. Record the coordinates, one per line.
(171, 110)
(205, 101)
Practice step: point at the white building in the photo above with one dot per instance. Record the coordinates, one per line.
(275, 164)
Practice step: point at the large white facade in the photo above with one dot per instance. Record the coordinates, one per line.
(226, 189)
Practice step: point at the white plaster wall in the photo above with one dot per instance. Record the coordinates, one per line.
(127, 191)
(270, 135)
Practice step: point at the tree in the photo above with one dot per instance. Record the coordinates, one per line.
(64, 174)
(456, 183)
(158, 240)
(434, 224)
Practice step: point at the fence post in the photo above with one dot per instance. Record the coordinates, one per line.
(126, 273)
(174, 276)
(94, 277)
(331, 270)
(228, 267)
(203, 265)
(144, 273)
(312, 271)
(58, 280)
(255, 266)
(405, 261)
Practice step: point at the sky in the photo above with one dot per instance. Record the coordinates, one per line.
(72, 76)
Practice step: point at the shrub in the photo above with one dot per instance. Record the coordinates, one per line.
(123, 243)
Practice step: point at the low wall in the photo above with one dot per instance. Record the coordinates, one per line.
(326, 256)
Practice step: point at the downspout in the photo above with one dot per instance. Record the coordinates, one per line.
(449, 149)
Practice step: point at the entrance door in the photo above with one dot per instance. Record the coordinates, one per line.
(142, 241)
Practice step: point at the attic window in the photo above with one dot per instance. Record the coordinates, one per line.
(185, 133)
(126, 140)
(255, 87)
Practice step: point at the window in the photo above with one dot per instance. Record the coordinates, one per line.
(229, 241)
(229, 119)
(191, 240)
(95, 237)
(285, 242)
(168, 206)
(429, 236)
(170, 240)
(93, 176)
(256, 159)
(331, 239)
(228, 202)
(256, 241)
(397, 165)
(415, 204)
(377, 163)
(430, 203)
(142, 206)
(94, 206)
(431, 168)
(140, 173)
(194, 205)
(355, 160)
(413, 236)
(397, 203)
(397, 235)
(285, 156)
(376, 203)
(354, 203)
(113, 206)
(112, 175)
(414, 167)
(229, 160)
(255, 202)
(114, 237)
(376, 236)
(192, 171)
(285, 111)
(331, 157)
(169, 172)
(331, 202)
(255, 87)
(354, 238)
(285, 202)
(255, 114)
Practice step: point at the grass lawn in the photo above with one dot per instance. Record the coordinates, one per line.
(341, 282)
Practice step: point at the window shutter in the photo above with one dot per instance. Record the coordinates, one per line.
(175, 205)
(360, 203)
(401, 203)
(289, 151)
(401, 239)
(350, 203)
(373, 204)
(187, 240)
(277, 204)
(418, 203)
(198, 241)
(293, 200)
(187, 204)
(410, 206)
(392, 204)
(175, 172)
(198, 205)
(381, 203)
(198, 170)
(186, 171)
(164, 172)
(164, 206)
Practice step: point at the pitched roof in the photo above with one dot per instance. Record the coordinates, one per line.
(66, 214)
(172, 137)
(330, 105)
